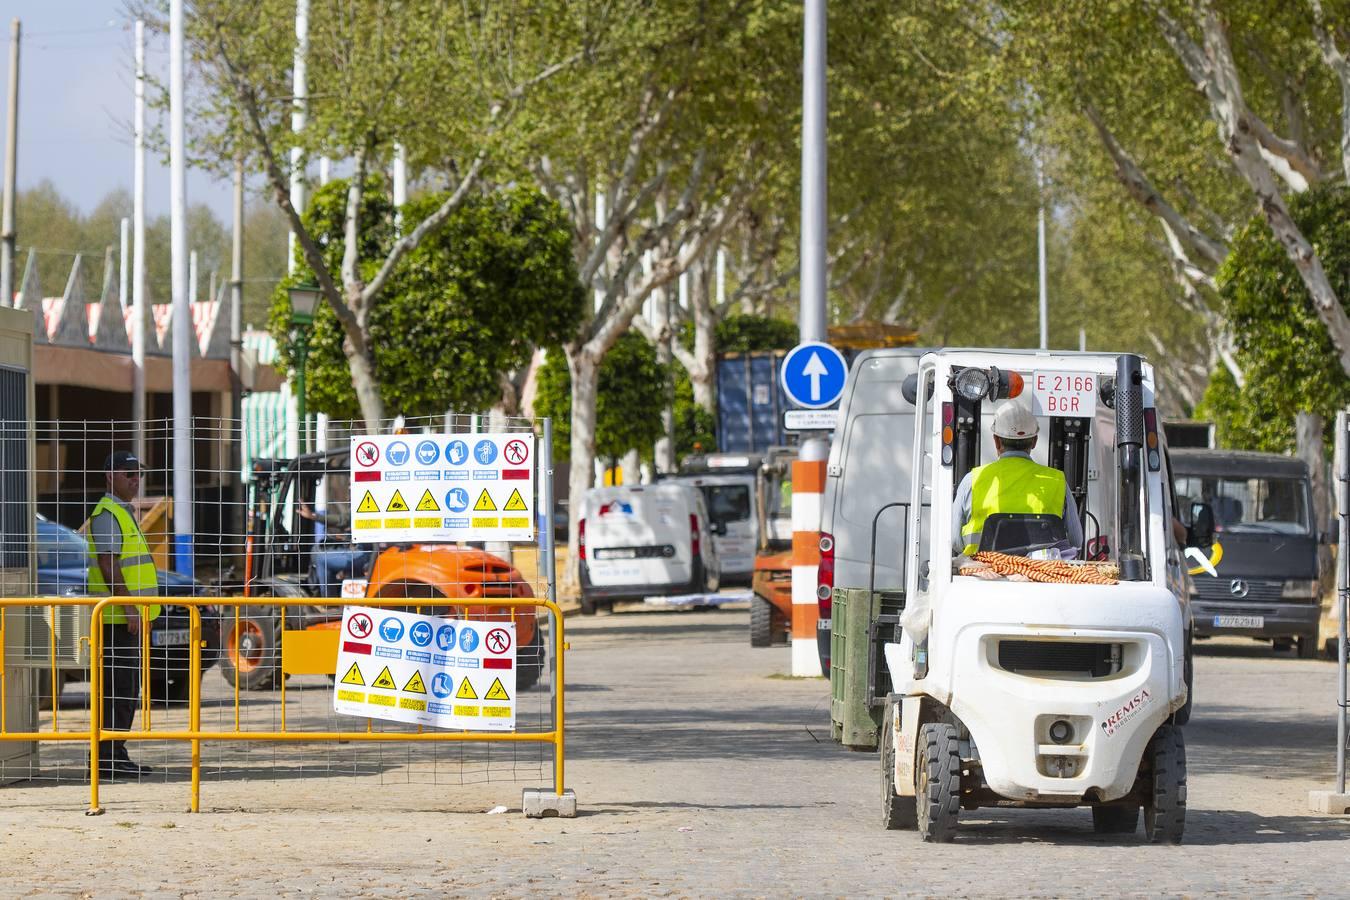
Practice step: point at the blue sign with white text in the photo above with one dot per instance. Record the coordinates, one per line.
(813, 375)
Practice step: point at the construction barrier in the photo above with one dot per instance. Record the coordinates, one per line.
(302, 653)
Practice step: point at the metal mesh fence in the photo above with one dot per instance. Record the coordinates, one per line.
(282, 532)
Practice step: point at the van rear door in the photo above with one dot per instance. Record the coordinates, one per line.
(637, 537)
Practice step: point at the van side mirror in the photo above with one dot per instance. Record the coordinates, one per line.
(719, 529)
(1201, 532)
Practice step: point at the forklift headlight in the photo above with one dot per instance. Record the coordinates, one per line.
(971, 384)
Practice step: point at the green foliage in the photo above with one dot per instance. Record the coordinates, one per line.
(694, 425)
(1284, 350)
(746, 334)
(630, 396)
(470, 303)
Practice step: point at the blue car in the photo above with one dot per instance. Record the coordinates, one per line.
(63, 571)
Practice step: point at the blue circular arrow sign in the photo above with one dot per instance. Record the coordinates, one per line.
(813, 375)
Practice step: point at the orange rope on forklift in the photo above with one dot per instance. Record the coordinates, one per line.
(1051, 571)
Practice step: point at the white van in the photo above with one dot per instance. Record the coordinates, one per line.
(729, 483)
(869, 468)
(645, 541)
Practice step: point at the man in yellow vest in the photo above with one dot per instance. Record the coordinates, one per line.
(120, 565)
(1013, 483)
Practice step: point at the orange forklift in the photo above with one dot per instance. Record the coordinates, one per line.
(771, 605)
(281, 547)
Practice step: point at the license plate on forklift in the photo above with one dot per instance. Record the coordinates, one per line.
(1239, 621)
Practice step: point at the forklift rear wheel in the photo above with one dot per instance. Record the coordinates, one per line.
(1165, 786)
(253, 651)
(896, 812)
(761, 622)
(938, 793)
(1115, 819)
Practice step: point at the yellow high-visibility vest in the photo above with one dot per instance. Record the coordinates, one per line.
(136, 563)
(1011, 484)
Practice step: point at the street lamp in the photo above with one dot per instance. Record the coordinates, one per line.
(304, 298)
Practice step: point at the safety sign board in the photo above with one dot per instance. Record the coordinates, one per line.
(425, 670)
(443, 488)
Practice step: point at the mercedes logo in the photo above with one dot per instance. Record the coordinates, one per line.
(1238, 588)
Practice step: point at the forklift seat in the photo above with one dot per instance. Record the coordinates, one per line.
(1019, 534)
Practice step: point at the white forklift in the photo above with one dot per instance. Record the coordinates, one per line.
(1036, 673)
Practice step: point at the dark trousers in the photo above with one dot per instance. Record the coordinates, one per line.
(121, 687)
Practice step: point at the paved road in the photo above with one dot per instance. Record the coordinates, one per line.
(701, 770)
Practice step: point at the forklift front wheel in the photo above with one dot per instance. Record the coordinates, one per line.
(896, 812)
(938, 793)
(1165, 783)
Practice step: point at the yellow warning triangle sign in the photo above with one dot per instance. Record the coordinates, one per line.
(353, 676)
(497, 691)
(466, 691)
(385, 681)
(397, 503)
(428, 503)
(516, 503)
(368, 504)
(415, 684)
(485, 503)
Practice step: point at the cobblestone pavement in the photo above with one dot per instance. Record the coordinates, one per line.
(701, 770)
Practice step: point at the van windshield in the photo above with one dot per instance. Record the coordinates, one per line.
(727, 502)
(1248, 505)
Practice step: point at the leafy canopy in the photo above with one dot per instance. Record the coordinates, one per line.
(468, 305)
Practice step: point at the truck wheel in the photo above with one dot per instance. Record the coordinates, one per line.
(252, 657)
(938, 792)
(1115, 819)
(896, 812)
(1165, 787)
(1307, 646)
(761, 622)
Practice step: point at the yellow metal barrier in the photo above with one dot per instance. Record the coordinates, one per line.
(195, 735)
(304, 662)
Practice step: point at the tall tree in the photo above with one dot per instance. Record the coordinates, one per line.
(447, 81)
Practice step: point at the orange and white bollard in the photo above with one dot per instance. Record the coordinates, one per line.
(808, 486)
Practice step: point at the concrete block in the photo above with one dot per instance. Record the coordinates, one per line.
(539, 803)
(1329, 803)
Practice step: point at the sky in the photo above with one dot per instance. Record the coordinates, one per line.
(76, 99)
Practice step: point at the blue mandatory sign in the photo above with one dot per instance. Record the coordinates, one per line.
(468, 640)
(445, 637)
(396, 453)
(457, 500)
(442, 684)
(456, 453)
(391, 629)
(420, 633)
(485, 452)
(428, 452)
(813, 375)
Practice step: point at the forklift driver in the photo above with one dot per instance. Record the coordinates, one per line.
(1013, 483)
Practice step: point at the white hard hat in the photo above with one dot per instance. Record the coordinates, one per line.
(1013, 421)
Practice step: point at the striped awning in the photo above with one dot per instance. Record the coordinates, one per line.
(271, 428)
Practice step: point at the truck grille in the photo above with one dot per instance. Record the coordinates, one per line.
(1220, 590)
(1056, 656)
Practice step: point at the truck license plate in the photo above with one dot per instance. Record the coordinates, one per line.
(1239, 621)
(169, 638)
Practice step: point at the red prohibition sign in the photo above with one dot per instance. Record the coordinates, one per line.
(367, 454)
(359, 625)
(515, 452)
(497, 640)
